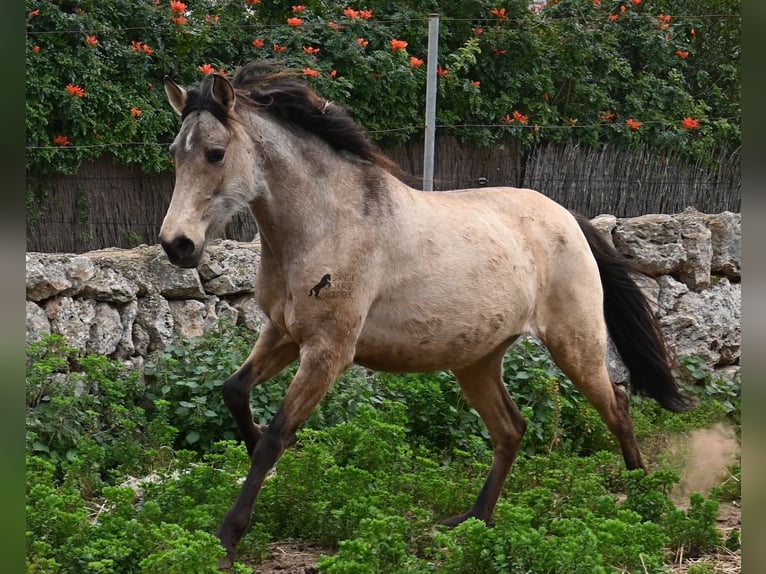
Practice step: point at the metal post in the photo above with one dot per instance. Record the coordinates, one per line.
(430, 135)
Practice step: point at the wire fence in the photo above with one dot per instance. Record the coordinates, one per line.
(486, 20)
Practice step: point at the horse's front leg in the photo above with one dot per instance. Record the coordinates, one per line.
(272, 352)
(319, 368)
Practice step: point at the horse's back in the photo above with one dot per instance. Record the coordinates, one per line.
(537, 234)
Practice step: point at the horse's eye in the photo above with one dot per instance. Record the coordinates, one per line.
(215, 155)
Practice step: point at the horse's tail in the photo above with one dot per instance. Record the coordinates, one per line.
(633, 327)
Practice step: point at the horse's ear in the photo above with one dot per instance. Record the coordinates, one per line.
(223, 92)
(176, 95)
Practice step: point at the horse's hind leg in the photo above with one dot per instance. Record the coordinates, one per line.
(272, 352)
(581, 355)
(482, 384)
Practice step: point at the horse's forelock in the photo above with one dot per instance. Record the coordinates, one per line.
(201, 99)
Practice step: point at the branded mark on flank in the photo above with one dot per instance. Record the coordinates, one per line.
(339, 287)
(324, 282)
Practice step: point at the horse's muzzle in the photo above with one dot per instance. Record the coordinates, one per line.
(182, 252)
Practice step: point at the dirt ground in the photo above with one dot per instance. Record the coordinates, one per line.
(292, 558)
(723, 560)
(302, 557)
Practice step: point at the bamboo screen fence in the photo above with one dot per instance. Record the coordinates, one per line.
(111, 205)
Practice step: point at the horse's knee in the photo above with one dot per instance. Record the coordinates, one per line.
(236, 390)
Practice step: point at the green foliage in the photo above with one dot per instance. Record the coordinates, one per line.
(694, 529)
(438, 415)
(555, 410)
(648, 493)
(719, 400)
(188, 375)
(725, 394)
(368, 475)
(89, 411)
(112, 534)
(574, 63)
(380, 546)
(579, 540)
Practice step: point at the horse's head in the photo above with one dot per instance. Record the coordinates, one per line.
(213, 168)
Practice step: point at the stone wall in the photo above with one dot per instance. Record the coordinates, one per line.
(126, 303)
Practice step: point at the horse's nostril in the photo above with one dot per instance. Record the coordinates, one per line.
(183, 246)
(178, 249)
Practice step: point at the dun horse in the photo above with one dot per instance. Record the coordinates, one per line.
(357, 267)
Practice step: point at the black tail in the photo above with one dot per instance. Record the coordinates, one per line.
(633, 327)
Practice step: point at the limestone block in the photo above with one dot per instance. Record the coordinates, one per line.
(694, 271)
(605, 224)
(71, 318)
(174, 282)
(105, 330)
(726, 240)
(156, 320)
(190, 317)
(126, 347)
(48, 275)
(38, 324)
(229, 269)
(654, 241)
(107, 284)
(705, 324)
(250, 313)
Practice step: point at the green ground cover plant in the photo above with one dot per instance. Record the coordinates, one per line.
(114, 485)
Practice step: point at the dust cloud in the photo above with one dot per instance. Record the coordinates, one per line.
(705, 456)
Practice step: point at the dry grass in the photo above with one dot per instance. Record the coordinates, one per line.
(723, 561)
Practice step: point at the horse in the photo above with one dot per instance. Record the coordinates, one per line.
(421, 281)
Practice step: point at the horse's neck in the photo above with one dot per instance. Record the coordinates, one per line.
(305, 202)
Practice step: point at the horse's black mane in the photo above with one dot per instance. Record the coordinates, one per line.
(282, 94)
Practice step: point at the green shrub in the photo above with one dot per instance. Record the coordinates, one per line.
(437, 414)
(188, 376)
(694, 530)
(518, 542)
(88, 411)
(164, 526)
(368, 474)
(335, 477)
(606, 72)
(380, 546)
(648, 494)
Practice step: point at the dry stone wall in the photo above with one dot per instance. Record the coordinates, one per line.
(126, 303)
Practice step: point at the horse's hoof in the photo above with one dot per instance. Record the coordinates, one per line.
(225, 563)
(453, 521)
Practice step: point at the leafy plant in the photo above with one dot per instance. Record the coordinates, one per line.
(694, 529)
(94, 72)
(112, 534)
(189, 374)
(557, 414)
(112, 491)
(86, 410)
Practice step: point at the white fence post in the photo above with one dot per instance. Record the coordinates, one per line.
(430, 135)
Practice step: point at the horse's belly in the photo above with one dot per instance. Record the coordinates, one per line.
(431, 345)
